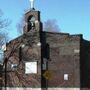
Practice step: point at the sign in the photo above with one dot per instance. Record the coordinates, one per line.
(44, 64)
(65, 76)
(31, 68)
(47, 75)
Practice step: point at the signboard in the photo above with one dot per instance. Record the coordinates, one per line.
(31, 68)
(47, 75)
(44, 64)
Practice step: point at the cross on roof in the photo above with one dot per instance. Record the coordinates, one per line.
(32, 4)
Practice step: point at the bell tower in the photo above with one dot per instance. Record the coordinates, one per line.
(32, 21)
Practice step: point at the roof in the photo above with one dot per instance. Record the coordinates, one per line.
(54, 33)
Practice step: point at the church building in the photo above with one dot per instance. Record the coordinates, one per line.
(48, 60)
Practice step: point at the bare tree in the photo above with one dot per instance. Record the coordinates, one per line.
(4, 23)
(51, 26)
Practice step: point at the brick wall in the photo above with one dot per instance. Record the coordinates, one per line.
(29, 53)
(64, 59)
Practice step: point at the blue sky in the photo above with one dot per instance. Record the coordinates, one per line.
(73, 16)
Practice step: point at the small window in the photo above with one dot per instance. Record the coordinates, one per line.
(31, 68)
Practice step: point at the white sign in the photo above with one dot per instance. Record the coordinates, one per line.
(65, 76)
(31, 67)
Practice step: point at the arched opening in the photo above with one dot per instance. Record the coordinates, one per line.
(31, 23)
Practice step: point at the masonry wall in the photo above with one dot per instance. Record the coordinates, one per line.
(64, 59)
(19, 51)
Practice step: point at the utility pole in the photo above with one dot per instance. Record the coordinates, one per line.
(44, 61)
